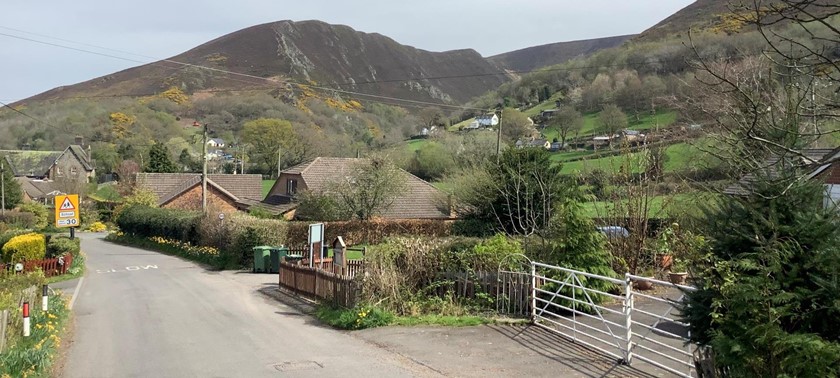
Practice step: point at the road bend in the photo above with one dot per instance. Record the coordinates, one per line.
(144, 314)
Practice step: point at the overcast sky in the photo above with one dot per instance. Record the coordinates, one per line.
(162, 28)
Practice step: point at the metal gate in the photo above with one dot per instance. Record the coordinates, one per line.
(613, 322)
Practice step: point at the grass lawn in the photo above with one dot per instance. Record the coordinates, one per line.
(266, 186)
(545, 105)
(107, 193)
(415, 145)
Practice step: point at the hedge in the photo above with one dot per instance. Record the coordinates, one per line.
(168, 223)
(18, 219)
(372, 232)
(25, 247)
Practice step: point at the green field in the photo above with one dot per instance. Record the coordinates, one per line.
(545, 105)
(266, 186)
(680, 156)
(662, 206)
(646, 122)
(415, 145)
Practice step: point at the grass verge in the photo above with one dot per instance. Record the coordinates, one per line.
(205, 255)
(366, 316)
(34, 356)
(77, 269)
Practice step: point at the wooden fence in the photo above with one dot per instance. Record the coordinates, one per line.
(51, 267)
(508, 291)
(341, 290)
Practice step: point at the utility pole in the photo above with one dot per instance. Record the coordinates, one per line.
(203, 167)
(279, 157)
(499, 136)
(3, 184)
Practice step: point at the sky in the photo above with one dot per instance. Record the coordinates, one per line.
(150, 30)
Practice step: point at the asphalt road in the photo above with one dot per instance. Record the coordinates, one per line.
(144, 314)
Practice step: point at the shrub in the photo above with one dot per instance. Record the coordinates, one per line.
(97, 227)
(25, 247)
(359, 317)
(8, 235)
(38, 211)
(58, 246)
(18, 219)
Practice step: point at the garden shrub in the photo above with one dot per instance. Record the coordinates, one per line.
(58, 246)
(473, 227)
(39, 212)
(8, 235)
(25, 247)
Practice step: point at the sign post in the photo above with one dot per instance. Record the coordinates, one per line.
(316, 242)
(67, 212)
(339, 255)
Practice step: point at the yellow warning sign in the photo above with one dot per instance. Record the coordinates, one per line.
(67, 210)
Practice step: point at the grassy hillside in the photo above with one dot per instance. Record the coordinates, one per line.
(679, 157)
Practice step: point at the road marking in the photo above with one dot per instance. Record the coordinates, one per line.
(133, 268)
(75, 293)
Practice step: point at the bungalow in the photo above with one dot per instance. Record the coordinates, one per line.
(216, 143)
(183, 190)
(822, 164)
(420, 200)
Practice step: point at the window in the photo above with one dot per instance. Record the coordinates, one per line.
(74, 170)
(57, 170)
(291, 187)
(832, 196)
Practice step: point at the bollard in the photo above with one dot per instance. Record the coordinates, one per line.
(25, 319)
(44, 299)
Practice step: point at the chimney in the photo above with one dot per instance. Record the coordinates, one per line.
(80, 140)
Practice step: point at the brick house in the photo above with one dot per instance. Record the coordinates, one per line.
(183, 190)
(420, 200)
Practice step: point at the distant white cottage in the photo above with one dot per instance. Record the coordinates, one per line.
(216, 142)
(487, 120)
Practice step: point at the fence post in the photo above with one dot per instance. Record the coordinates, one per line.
(4, 322)
(44, 299)
(533, 292)
(628, 320)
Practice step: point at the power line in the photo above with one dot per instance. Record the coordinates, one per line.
(29, 116)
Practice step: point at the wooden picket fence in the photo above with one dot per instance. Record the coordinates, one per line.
(51, 267)
(319, 283)
(508, 291)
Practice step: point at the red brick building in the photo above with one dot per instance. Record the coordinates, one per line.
(183, 190)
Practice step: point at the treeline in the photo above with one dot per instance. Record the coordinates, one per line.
(120, 129)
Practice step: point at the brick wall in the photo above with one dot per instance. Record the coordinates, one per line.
(191, 200)
(831, 175)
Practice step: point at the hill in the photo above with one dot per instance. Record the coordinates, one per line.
(308, 52)
(531, 58)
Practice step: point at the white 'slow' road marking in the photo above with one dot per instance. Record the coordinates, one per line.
(127, 269)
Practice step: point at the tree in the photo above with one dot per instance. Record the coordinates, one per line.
(159, 160)
(567, 121)
(127, 173)
(769, 288)
(271, 140)
(432, 161)
(371, 188)
(516, 125)
(186, 161)
(611, 121)
(431, 116)
(14, 194)
(518, 194)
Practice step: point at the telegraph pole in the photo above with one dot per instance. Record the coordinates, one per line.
(203, 167)
(499, 136)
(3, 184)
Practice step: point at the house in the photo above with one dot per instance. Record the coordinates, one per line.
(216, 143)
(822, 164)
(420, 200)
(548, 113)
(487, 120)
(37, 190)
(632, 136)
(555, 146)
(32, 164)
(73, 163)
(183, 190)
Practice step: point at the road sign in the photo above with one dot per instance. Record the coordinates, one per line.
(67, 210)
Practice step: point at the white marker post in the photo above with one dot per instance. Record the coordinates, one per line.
(25, 319)
(44, 299)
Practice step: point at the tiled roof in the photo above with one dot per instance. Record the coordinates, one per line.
(81, 155)
(30, 163)
(169, 185)
(770, 168)
(36, 188)
(420, 200)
